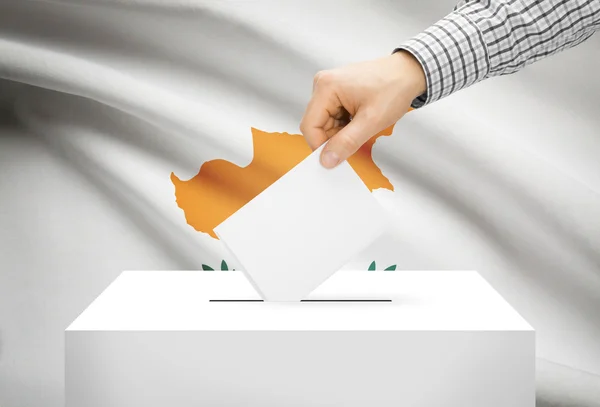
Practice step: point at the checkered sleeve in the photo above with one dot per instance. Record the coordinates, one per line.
(485, 38)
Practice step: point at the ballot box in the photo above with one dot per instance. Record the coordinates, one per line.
(368, 338)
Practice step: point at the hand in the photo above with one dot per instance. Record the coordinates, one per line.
(351, 104)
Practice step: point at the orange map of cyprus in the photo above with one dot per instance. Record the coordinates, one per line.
(220, 188)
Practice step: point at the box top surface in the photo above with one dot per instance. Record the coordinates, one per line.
(181, 300)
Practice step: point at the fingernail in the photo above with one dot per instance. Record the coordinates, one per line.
(330, 159)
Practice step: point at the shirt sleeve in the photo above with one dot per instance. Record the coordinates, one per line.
(485, 38)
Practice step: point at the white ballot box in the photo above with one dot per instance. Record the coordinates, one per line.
(369, 338)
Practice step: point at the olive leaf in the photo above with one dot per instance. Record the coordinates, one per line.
(205, 267)
(372, 266)
(224, 265)
(391, 268)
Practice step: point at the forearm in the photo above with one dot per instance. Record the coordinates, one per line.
(481, 39)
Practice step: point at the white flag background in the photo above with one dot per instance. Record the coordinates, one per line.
(103, 99)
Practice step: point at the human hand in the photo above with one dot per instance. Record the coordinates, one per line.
(351, 104)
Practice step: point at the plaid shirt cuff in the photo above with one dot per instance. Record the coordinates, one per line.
(453, 55)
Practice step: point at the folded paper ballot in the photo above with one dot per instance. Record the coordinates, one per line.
(302, 229)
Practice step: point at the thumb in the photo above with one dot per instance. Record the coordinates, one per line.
(348, 140)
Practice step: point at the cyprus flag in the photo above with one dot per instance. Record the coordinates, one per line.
(131, 128)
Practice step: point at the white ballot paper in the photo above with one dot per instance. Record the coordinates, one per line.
(302, 229)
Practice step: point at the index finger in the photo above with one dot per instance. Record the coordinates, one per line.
(316, 117)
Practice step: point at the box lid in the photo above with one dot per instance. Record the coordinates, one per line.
(349, 300)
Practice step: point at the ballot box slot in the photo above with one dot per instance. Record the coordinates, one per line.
(324, 300)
